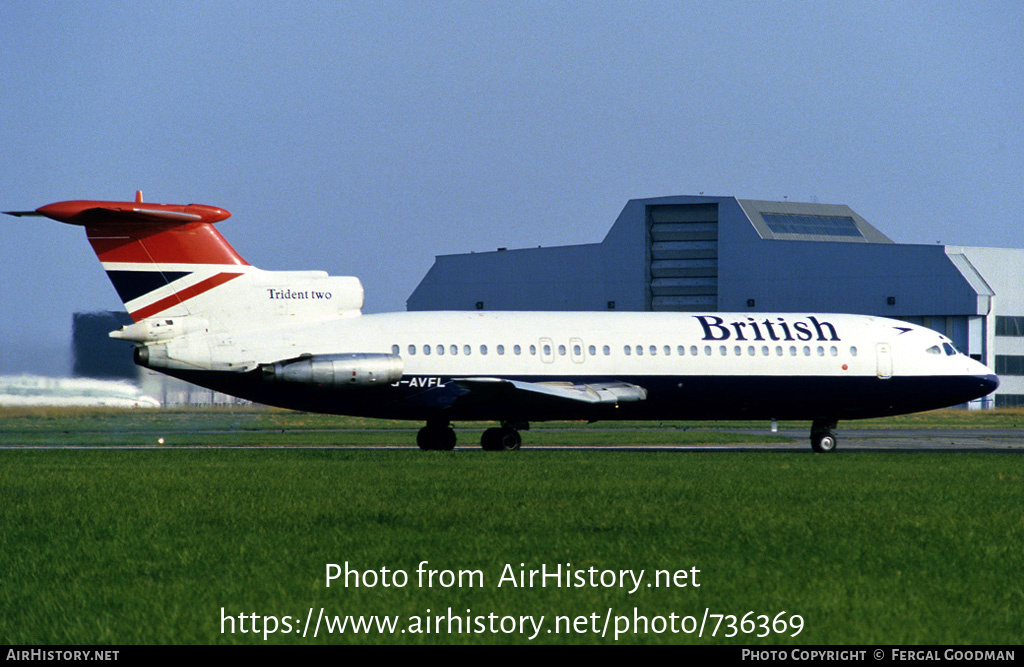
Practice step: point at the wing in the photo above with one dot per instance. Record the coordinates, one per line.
(547, 395)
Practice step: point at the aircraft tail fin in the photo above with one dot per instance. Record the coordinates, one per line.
(168, 261)
(157, 256)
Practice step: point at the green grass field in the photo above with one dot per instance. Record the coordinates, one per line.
(148, 546)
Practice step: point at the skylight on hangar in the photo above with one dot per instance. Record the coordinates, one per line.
(798, 221)
(815, 225)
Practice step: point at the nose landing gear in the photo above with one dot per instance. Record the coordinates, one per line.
(823, 437)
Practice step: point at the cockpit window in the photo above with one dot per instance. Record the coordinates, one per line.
(934, 349)
(950, 350)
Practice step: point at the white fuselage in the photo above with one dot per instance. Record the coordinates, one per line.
(462, 344)
(726, 365)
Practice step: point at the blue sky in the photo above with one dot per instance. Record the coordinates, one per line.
(364, 138)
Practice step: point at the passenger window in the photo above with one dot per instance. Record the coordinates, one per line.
(467, 350)
(607, 350)
(722, 350)
(412, 349)
(593, 350)
(792, 350)
(483, 349)
(707, 350)
(501, 350)
(765, 352)
(578, 350)
(821, 351)
(454, 349)
(516, 350)
(807, 350)
(561, 350)
(426, 350)
(778, 350)
(639, 350)
(628, 350)
(833, 351)
(738, 351)
(681, 351)
(667, 350)
(853, 351)
(653, 350)
(533, 350)
(693, 350)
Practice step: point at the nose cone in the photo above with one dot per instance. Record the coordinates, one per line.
(984, 380)
(989, 383)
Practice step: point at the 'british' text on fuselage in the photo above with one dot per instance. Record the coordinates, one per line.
(804, 329)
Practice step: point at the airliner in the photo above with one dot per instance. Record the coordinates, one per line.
(299, 340)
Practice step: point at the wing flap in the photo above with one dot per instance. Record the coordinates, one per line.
(596, 393)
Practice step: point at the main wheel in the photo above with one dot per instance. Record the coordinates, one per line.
(490, 441)
(510, 439)
(436, 437)
(499, 439)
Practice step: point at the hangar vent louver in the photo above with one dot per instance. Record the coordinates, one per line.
(683, 251)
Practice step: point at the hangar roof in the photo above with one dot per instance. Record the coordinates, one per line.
(793, 221)
(968, 271)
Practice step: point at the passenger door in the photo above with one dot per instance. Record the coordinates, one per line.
(884, 353)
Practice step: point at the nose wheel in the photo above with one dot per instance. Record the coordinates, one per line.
(823, 437)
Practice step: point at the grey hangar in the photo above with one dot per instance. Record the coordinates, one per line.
(724, 254)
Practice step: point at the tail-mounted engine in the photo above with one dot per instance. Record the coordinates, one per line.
(336, 370)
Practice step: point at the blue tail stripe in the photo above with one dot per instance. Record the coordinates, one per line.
(133, 284)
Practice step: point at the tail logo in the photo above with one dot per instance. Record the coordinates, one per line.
(168, 289)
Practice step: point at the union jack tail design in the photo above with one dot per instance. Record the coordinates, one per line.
(162, 259)
(176, 273)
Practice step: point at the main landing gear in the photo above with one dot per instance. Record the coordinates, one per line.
(505, 438)
(823, 437)
(438, 435)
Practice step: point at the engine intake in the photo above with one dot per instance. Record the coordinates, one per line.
(336, 370)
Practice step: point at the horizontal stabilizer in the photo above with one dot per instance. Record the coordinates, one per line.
(112, 212)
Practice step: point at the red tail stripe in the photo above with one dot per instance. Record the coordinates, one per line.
(193, 243)
(183, 295)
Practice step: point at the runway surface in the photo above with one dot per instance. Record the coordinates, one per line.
(853, 440)
(934, 440)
